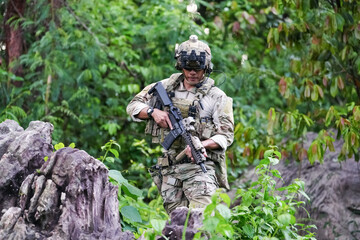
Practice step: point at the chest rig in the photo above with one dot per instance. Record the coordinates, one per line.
(188, 107)
(192, 106)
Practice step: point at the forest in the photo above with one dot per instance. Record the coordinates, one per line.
(290, 66)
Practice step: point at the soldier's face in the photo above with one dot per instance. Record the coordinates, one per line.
(193, 77)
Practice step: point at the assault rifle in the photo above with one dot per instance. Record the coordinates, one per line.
(178, 126)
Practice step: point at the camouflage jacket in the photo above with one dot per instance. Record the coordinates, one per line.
(214, 117)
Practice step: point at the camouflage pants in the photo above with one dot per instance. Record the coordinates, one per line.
(187, 185)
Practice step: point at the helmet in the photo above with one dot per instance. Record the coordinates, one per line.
(193, 54)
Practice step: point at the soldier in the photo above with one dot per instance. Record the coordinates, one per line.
(179, 180)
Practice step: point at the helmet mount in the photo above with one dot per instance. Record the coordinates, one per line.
(193, 54)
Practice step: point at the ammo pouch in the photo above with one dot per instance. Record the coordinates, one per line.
(220, 169)
(155, 173)
(151, 127)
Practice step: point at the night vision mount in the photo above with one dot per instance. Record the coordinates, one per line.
(192, 61)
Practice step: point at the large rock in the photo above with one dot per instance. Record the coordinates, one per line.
(175, 227)
(67, 197)
(21, 153)
(334, 190)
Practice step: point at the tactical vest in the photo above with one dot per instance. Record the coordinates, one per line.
(204, 126)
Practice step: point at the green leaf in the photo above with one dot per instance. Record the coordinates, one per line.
(131, 190)
(110, 159)
(304, 194)
(247, 199)
(329, 116)
(226, 229)
(59, 146)
(210, 208)
(271, 114)
(270, 36)
(314, 94)
(268, 211)
(308, 120)
(276, 35)
(248, 230)
(333, 88)
(115, 152)
(72, 145)
(271, 120)
(225, 198)
(206, 4)
(273, 161)
(117, 176)
(357, 62)
(131, 213)
(307, 91)
(356, 113)
(211, 223)
(333, 23)
(286, 219)
(158, 225)
(357, 32)
(103, 68)
(276, 173)
(268, 153)
(278, 154)
(224, 211)
(340, 21)
(265, 161)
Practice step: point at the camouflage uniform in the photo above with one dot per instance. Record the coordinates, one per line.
(180, 182)
(184, 184)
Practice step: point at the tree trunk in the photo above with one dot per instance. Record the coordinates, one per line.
(13, 36)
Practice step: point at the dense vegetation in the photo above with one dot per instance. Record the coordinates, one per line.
(291, 66)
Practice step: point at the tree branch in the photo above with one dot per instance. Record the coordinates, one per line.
(16, 9)
(82, 24)
(124, 66)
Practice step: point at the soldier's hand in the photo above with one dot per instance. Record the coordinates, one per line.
(189, 154)
(162, 118)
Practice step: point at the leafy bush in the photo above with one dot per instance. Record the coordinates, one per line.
(136, 214)
(263, 212)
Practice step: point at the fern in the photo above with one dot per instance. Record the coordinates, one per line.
(16, 96)
(67, 112)
(82, 93)
(52, 119)
(11, 111)
(17, 111)
(14, 113)
(36, 85)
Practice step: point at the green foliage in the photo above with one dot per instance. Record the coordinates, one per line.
(308, 71)
(291, 66)
(318, 39)
(136, 214)
(263, 213)
(112, 147)
(85, 60)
